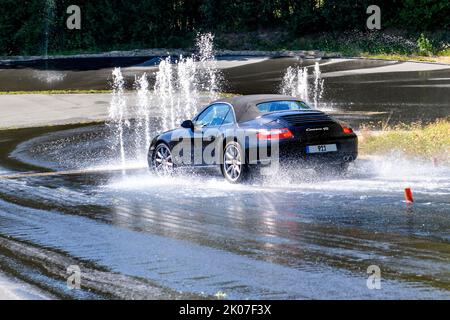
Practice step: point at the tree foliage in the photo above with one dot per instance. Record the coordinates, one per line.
(124, 24)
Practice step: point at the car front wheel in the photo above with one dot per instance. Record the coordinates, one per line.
(233, 166)
(161, 161)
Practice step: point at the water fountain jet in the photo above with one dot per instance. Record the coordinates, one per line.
(296, 83)
(163, 91)
(143, 117)
(177, 93)
(118, 112)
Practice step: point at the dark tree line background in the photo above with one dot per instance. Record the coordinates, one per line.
(125, 24)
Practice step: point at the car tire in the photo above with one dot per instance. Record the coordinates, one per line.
(160, 161)
(233, 166)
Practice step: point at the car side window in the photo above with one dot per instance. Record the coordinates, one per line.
(229, 117)
(213, 115)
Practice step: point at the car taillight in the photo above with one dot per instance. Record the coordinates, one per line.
(347, 130)
(283, 133)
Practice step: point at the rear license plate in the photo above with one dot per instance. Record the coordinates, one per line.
(321, 148)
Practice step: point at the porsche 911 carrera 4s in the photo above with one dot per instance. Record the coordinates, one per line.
(241, 134)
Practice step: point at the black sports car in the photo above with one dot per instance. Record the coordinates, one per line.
(241, 134)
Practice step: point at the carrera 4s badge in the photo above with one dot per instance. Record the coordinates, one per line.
(318, 129)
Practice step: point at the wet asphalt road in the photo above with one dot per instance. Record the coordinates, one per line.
(398, 91)
(293, 236)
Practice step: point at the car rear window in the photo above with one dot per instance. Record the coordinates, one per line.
(274, 106)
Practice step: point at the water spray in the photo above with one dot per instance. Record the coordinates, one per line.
(143, 117)
(118, 112)
(164, 91)
(296, 83)
(176, 96)
(318, 85)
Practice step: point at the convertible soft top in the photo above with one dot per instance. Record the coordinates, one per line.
(245, 106)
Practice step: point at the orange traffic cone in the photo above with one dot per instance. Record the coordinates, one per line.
(408, 195)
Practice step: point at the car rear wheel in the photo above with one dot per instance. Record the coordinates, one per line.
(161, 161)
(233, 166)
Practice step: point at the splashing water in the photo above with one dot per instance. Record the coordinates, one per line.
(318, 85)
(118, 114)
(209, 78)
(48, 23)
(204, 44)
(49, 77)
(164, 92)
(187, 85)
(179, 87)
(177, 93)
(46, 75)
(296, 83)
(142, 135)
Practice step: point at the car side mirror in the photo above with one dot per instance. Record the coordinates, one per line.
(188, 124)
